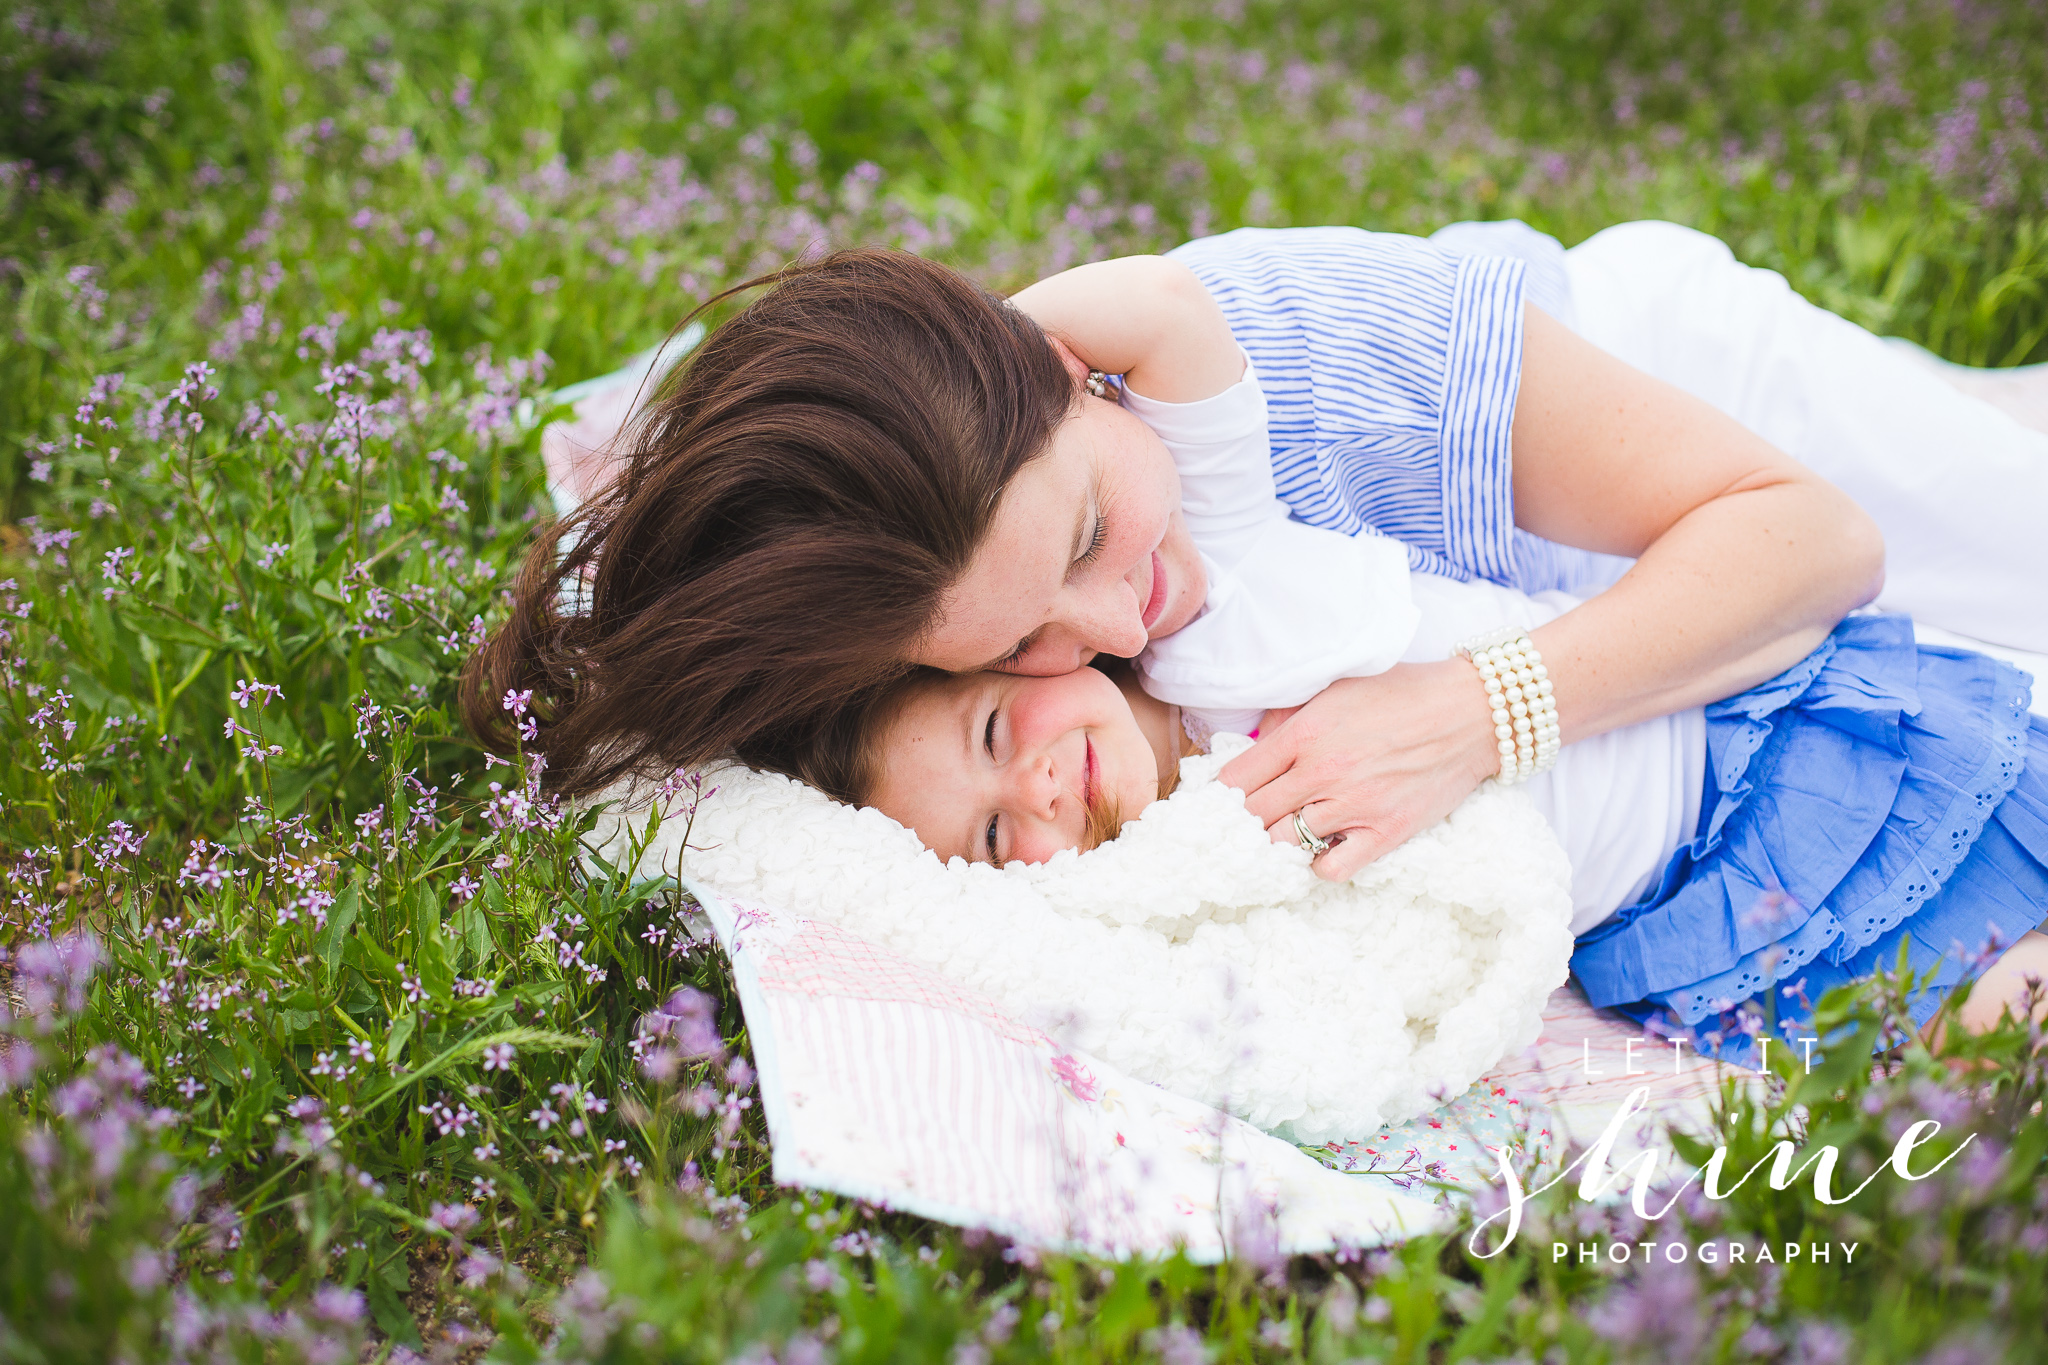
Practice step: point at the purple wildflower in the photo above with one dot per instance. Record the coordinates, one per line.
(1657, 1314)
(453, 1219)
(1820, 1343)
(343, 1307)
(477, 1268)
(51, 976)
(1177, 1344)
(690, 1019)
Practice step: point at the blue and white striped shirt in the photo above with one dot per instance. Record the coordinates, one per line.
(1390, 367)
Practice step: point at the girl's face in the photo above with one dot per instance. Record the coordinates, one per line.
(997, 768)
(1088, 554)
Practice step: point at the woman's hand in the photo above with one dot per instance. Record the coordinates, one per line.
(1745, 561)
(1369, 761)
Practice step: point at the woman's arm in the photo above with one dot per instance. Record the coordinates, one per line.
(1745, 561)
(1143, 317)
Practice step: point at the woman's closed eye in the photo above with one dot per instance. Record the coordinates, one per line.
(1095, 541)
(1097, 538)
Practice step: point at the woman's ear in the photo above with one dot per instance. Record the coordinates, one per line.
(1076, 366)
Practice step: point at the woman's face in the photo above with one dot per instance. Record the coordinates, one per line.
(997, 768)
(1088, 554)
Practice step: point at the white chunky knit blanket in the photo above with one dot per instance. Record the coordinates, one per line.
(1191, 951)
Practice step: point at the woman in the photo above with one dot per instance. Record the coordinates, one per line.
(768, 551)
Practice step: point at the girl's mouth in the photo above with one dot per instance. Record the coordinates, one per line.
(1157, 602)
(1091, 776)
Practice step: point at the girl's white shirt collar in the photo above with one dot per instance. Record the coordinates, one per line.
(1290, 607)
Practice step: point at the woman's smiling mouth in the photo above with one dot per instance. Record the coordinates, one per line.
(1156, 603)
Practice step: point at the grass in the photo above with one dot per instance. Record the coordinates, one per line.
(277, 1092)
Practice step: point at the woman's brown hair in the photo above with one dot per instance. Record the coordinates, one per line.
(790, 510)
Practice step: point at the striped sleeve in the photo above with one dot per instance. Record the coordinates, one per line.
(1482, 375)
(1390, 369)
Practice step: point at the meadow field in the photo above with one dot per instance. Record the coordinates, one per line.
(316, 1047)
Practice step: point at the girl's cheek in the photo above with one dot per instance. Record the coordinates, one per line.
(1042, 711)
(1018, 727)
(1037, 847)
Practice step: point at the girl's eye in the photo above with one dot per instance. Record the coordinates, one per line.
(988, 736)
(989, 837)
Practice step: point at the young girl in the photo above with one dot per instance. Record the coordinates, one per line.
(1877, 793)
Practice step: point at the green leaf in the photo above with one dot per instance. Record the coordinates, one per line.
(289, 784)
(252, 1101)
(435, 965)
(401, 1034)
(404, 667)
(1127, 1309)
(473, 931)
(387, 1302)
(341, 729)
(443, 841)
(177, 632)
(346, 906)
(425, 916)
(368, 958)
(471, 1048)
(302, 537)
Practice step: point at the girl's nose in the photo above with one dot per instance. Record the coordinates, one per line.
(1035, 786)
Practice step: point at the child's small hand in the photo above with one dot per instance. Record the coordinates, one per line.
(1274, 719)
(1146, 318)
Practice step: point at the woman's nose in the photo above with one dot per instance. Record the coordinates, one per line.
(1115, 616)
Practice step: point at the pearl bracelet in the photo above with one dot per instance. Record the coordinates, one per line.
(1518, 688)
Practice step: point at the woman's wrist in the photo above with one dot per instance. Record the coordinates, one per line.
(1468, 720)
(1518, 692)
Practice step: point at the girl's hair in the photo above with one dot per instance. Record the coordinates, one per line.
(789, 512)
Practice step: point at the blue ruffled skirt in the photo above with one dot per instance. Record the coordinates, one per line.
(1878, 792)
